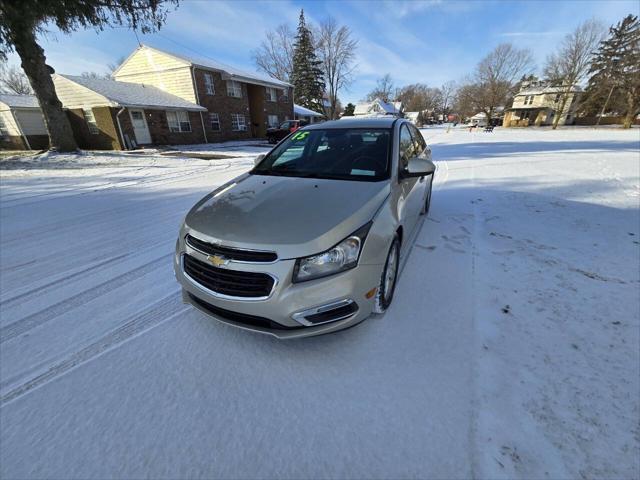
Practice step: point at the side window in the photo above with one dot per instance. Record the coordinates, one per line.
(407, 149)
(418, 140)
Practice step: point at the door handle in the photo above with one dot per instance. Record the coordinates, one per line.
(421, 179)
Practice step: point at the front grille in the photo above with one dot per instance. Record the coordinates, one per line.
(231, 253)
(243, 318)
(228, 282)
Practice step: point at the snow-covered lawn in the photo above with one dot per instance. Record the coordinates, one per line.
(511, 349)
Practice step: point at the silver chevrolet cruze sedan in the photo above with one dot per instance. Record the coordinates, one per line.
(311, 240)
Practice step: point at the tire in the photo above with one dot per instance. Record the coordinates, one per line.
(427, 201)
(387, 286)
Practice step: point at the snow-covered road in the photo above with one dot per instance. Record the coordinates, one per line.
(511, 349)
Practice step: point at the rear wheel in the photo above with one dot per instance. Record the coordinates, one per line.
(388, 280)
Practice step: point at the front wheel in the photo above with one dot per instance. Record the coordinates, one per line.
(427, 201)
(388, 280)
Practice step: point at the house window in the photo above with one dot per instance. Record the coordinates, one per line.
(557, 98)
(214, 118)
(4, 131)
(91, 121)
(272, 120)
(238, 123)
(234, 89)
(208, 84)
(285, 93)
(272, 95)
(178, 121)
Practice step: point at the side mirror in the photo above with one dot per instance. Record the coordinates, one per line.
(258, 159)
(419, 167)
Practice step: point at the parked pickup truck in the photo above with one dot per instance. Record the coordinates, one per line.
(274, 135)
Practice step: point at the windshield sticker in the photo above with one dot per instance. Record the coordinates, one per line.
(300, 136)
(355, 171)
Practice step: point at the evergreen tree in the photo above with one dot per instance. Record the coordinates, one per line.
(306, 75)
(348, 110)
(614, 85)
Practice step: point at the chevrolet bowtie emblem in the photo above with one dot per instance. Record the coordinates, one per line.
(218, 260)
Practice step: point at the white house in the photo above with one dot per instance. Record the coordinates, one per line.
(21, 123)
(412, 117)
(479, 119)
(302, 113)
(378, 107)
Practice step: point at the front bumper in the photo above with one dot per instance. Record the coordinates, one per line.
(285, 301)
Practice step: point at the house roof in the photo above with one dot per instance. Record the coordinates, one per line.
(208, 63)
(384, 108)
(305, 112)
(126, 94)
(550, 89)
(19, 101)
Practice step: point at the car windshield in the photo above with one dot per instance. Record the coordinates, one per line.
(342, 154)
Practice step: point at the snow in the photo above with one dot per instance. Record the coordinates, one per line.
(510, 351)
(19, 101)
(305, 112)
(129, 94)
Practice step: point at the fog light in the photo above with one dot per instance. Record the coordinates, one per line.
(371, 292)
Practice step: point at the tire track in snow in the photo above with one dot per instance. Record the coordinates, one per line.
(32, 321)
(158, 313)
(10, 302)
(83, 189)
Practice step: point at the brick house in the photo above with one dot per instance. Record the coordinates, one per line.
(21, 123)
(110, 115)
(238, 104)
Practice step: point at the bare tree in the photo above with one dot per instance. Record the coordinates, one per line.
(336, 50)
(494, 79)
(569, 66)
(384, 89)
(274, 56)
(13, 80)
(418, 97)
(448, 94)
(112, 67)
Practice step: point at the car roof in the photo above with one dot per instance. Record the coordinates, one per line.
(355, 122)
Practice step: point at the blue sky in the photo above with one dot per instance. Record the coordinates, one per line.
(429, 41)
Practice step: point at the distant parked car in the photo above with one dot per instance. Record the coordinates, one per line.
(274, 135)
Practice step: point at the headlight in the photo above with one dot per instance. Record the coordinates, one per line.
(342, 257)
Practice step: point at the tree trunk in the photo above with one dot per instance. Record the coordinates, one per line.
(563, 104)
(631, 111)
(35, 67)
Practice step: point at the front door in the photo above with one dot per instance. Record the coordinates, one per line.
(140, 127)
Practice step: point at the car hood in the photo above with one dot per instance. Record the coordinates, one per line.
(290, 215)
